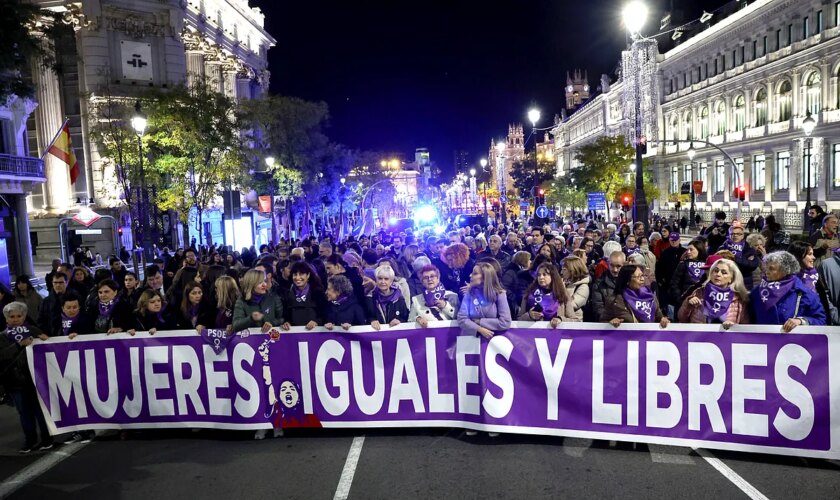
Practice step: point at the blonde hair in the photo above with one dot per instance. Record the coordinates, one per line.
(227, 292)
(576, 267)
(737, 284)
(491, 288)
(252, 278)
(146, 297)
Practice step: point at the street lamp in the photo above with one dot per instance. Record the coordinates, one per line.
(500, 178)
(483, 163)
(341, 207)
(693, 211)
(270, 161)
(634, 15)
(691, 152)
(138, 123)
(808, 125)
(534, 117)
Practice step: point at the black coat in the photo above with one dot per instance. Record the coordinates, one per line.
(515, 281)
(121, 317)
(388, 312)
(146, 322)
(666, 267)
(14, 369)
(50, 314)
(454, 279)
(206, 317)
(82, 326)
(349, 312)
(301, 312)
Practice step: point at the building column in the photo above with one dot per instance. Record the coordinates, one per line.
(795, 167)
(769, 166)
(22, 242)
(825, 80)
(243, 87)
(215, 77)
(231, 90)
(195, 67)
(795, 111)
(820, 148)
(771, 104)
(48, 121)
(749, 113)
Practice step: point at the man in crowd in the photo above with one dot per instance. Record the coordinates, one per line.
(666, 266)
(49, 277)
(825, 240)
(50, 314)
(537, 240)
(118, 271)
(494, 249)
(604, 288)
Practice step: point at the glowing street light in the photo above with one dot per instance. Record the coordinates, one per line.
(691, 152)
(634, 16)
(483, 163)
(472, 172)
(270, 161)
(534, 116)
(138, 121)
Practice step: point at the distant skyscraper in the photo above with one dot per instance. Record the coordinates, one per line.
(577, 89)
(462, 160)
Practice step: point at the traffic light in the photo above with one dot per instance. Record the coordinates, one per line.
(541, 196)
(643, 144)
(625, 203)
(740, 193)
(678, 206)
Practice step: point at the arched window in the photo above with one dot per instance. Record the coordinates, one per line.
(720, 118)
(813, 93)
(740, 114)
(704, 122)
(761, 108)
(688, 127)
(785, 104)
(675, 129)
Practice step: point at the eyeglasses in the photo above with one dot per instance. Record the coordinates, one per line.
(738, 234)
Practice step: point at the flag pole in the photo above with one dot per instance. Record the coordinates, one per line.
(66, 120)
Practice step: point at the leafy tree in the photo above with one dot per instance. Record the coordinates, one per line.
(195, 143)
(629, 188)
(24, 42)
(522, 173)
(565, 194)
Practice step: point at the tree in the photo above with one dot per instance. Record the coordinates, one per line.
(522, 173)
(604, 165)
(195, 143)
(566, 194)
(24, 42)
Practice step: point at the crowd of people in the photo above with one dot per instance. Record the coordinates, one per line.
(481, 277)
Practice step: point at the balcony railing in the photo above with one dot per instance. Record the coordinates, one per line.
(778, 128)
(21, 166)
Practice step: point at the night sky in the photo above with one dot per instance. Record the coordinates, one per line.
(445, 75)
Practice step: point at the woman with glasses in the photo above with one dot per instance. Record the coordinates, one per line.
(745, 256)
(434, 303)
(721, 298)
(632, 301)
(781, 298)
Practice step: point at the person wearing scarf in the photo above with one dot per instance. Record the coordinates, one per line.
(721, 299)
(257, 307)
(630, 247)
(781, 298)
(435, 303)
(194, 310)
(73, 322)
(745, 256)
(546, 299)
(633, 302)
(109, 313)
(342, 307)
(386, 304)
(152, 314)
(305, 301)
(690, 271)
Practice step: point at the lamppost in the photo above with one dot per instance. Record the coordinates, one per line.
(138, 123)
(483, 163)
(534, 117)
(500, 178)
(341, 192)
(634, 15)
(693, 211)
(473, 189)
(808, 125)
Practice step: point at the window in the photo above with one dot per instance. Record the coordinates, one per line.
(704, 122)
(716, 66)
(782, 170)
(687, 129)
(764, 46)
(759, 174)
(819, 21)
(687, 177)
(837, 13)
(789, 34)
(755, 49)
(784, 101)
(808, 176)
(685, 79)
(675, 130)
(813, 93)
(761, 108)
(742, 54)
(734, 62)
(778, 39)
(704, 173)
(739, 167)
(707, 70)
(806, 28)
(719, 181)
(835, 165)
(740, 114)
(720, 118)
(675, 179)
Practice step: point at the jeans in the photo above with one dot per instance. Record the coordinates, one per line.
(31, 417)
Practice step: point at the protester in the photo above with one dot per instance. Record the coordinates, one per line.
(577, 281)
(343, 309)
(227, 294)
(131, 288)
(745, 256)
(456, 267)
(604, 288)
(666, 267)
(305, 301)
(782, 298)
(24, 292)
(546, 299)
(758, 243)
(151, 315)
(484, 308)
(690, 270)
(603, 266)
(516, 278)
(49, 315)
(722, 298)
(825, 239)
(385, 303)
(111, 314)
(72, 321)
(632, 302)
(399, 280)
(434, 303)
(257, 307)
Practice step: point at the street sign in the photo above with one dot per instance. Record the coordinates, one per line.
(88, 231)
(698, 187)
(596, 201)
(86, 217)
(503, 198)
(542, 211)
(685, 188)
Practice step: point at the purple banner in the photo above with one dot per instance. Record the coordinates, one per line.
(751, 390)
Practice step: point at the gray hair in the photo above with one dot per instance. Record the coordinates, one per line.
(785, 260)
(637, 259)
(611, 227)
(15, 307)
(480, 242)
(610, 247)
(655, 236)
(497, 237)
(385, 272)
(754, 238)
(341, 285)
(419, 263)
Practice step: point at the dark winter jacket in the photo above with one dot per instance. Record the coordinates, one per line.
(347, 312)
(301, 312)
(387, 312)
(14, 369)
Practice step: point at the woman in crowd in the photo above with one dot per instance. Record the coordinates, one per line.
(484, 309)
(399, 281)
(759, 244)
(73, 321)
(546, 299)
(644, 249)
(29, 296)
(386, 304)
(81, 283)
(623, 232)
(305, 300)
(603, 265)
(343, 309)
(663, 242)
(630, 247)
(745, 256)
(415, 281)
(650, 278)
(690, 269)
(110, 314)
(804, 254)
(131, 289)
(152, 315)
(577, 280)
(457, 266)
(208, 281)
(549, 253)
(721, 299)
(434, 303)
(227, 294)
(258, 307)
(6, 297)
(194, 310)
(782, 298)
(632, 302)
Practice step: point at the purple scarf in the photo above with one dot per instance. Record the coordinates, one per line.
(771, 292)
(631, 251)
(695, 270)
(382, 300)
(736, 248)
(18, 333)
(809, 278)
(192, 312)
(257, 298)
(217, 339)
(546, 300)
(301, 293)
(641, 303)
(716, 301)
(340, 300)
(432, 296)
(105, 309)
(67, 323)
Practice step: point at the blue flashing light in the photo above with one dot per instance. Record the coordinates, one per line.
(392, 220)
(425, 214)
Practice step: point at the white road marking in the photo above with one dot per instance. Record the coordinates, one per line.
(576, 447)
(661, 454)
(730, 474)
(40, 466)
(343, 489)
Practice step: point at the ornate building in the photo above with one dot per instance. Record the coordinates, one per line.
(119, 49)
(503, 161)
(577, 89)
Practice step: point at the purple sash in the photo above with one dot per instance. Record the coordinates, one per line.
(340, 300)
(300, 294)
(546, 300)
(773, 291)
(192, 310)
(736, 248)
(105, 309)
(695, 270)
(631, 251)
(809, 278)
(382, 300)
(716, 301)
(67, 323)
(432, 296)
(217, 339)
(641, 303)
(18, 333)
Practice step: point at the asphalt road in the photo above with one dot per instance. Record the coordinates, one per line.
(417, 463)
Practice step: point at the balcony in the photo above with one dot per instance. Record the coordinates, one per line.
(716, 139)
(754, 132)
(778, 128)
(21, 166)
(831, 116)
(735, 136)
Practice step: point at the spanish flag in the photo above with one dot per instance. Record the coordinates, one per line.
(62, 148)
